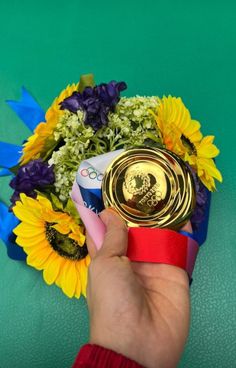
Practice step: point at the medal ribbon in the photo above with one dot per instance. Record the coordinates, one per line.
(162, 246)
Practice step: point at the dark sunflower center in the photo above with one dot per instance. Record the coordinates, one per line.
(188, 144)
(63, 245)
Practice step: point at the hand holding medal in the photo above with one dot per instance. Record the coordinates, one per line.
(153, 191)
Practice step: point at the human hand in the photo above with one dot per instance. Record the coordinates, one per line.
(140, 310)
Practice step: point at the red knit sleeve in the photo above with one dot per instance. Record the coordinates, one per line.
(94, 356)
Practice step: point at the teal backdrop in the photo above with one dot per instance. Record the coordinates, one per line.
(183, 48)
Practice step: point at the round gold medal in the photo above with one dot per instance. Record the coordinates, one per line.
(149, 187)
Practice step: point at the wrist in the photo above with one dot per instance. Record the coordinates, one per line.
(151, 355)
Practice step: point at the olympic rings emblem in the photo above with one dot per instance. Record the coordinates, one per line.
(155, 199)
(91, 173)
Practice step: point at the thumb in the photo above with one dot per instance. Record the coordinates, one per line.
(116, 236)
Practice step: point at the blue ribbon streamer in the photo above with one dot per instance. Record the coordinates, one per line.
(31, 113)
(28, 110)
(200, 234)
(5, 172)
(9, 155)
(8, 221)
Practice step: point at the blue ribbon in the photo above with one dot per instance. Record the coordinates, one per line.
(92, 199)
(28, 110)
(200, 234)
(9, 155)
(31, 113)
(5, 172)
(8, 221)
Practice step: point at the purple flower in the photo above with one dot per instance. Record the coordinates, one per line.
(110, 92)
(96, 102)
(34, 175)
(201, 201)
(73, 103)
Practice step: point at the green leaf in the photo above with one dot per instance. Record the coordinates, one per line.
(86, 80)
(71, 210)
(56, 202)
(14, 169)
(46, 153)
(45, 195)
(153, 137)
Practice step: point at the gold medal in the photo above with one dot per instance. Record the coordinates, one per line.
(149, 187)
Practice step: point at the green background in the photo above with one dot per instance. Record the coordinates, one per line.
(183, 48)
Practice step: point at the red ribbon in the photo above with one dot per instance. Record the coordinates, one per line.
(162, 246)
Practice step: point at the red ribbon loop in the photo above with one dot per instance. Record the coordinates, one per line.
(162, 246)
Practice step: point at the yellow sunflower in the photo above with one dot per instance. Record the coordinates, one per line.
(181, 135)
(202, 161)
(42, 139)
(53, 243)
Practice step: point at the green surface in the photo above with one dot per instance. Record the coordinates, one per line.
(181, 48)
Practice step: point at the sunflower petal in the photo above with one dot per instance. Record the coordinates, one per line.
(62, 228)
(193, 131)
(206, 149)
(208, 182)
(78, 287)
(83, 272)
(29, 202)
(51, 271)
(79, 237)
(44, 202)
(24, 214)
(28, 230)
(210, 168)
(69, 278)
(30, 242)
(38, 257)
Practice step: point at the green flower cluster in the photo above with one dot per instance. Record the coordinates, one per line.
(130, 125)
(73, 139)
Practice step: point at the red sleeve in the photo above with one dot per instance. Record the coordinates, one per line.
(94, 356)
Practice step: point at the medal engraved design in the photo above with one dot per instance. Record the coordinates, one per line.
(149, 187)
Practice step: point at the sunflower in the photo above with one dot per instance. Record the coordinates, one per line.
(181, 135)
(42, 139)
(203, 163)
(53, 243)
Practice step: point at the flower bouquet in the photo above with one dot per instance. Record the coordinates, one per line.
(42, 225)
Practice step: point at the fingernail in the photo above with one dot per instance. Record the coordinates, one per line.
(110, 209)
(113, 210)
(107, 215)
